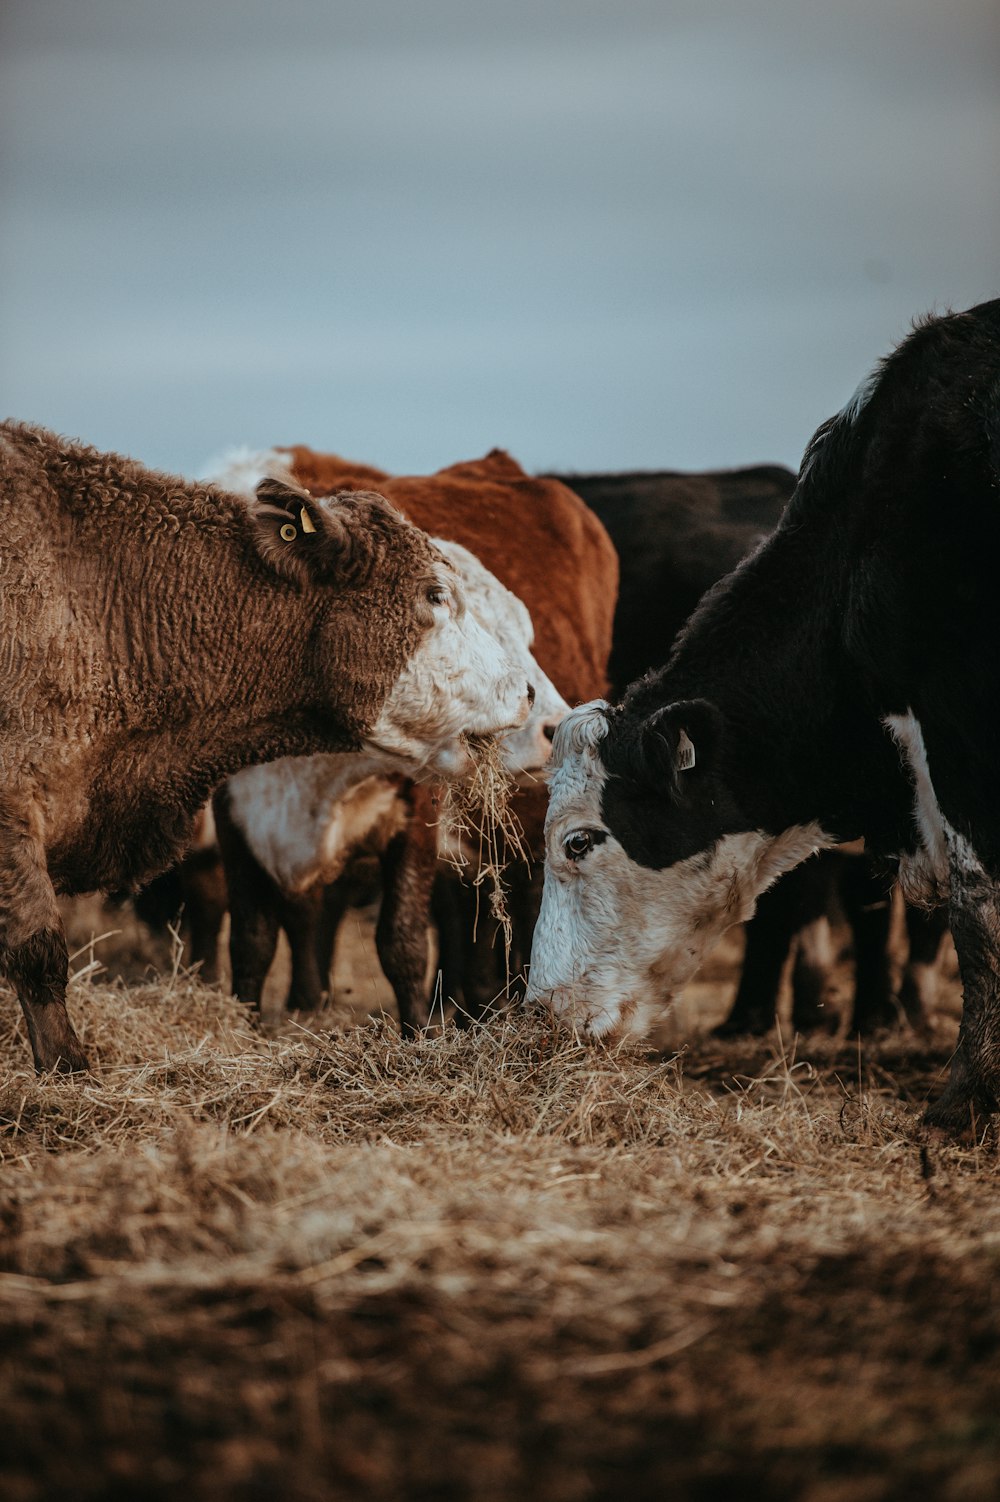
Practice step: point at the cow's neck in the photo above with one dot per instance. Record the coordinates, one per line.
(804, 738)
(212, 653)
(206, 667)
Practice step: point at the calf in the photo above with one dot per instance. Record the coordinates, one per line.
(838, 684)
(159, 635)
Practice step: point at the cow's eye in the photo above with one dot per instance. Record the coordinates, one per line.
(580, 841)
(437, 595)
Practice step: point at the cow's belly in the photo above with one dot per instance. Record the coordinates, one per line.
(111, 852)
(304, 818)
(113, 833)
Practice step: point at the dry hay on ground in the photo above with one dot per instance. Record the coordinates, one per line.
(494, 1264)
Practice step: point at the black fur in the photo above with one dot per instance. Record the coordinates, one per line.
(875, 595)
(676, 534)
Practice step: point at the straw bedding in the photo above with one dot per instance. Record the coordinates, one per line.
(330, 1264)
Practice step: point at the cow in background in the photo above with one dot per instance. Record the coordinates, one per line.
(676, 533)
(191, 895)
(159, 635)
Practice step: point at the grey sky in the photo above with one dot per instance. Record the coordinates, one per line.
(598, 234)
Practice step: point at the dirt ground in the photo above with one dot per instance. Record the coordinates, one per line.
(311, 1261)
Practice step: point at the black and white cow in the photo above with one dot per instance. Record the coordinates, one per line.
(840, 683)
(677, 533)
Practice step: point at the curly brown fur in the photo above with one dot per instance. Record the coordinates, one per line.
(156, 638)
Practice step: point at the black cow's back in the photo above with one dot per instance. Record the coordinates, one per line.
(676, 534)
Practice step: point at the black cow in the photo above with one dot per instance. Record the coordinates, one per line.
(677, 533)
(839, 684)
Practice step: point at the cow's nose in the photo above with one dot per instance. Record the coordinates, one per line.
(549, 730)
(531, 693)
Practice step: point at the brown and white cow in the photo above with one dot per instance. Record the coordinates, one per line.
(158, 635)
(286, 830)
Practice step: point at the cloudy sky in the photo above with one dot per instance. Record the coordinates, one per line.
(600, 233)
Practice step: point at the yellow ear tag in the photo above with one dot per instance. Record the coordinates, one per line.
(306, 520)
(288, 532)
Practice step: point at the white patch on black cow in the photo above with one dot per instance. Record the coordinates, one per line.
(617, 940)
(942, 853)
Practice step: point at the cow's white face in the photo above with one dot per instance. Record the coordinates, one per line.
(616, 938)
(458, 682)
(507, 618)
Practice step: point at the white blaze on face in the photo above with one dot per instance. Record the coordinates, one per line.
(616, 941)
(509, 620)
(302, 817)
(458, 682)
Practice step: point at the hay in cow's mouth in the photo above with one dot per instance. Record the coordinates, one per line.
(476, 813)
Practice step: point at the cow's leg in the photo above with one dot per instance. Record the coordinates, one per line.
(525, 901)
(918, 991)
(484, 978)
(769, 936)
(334, 904)
(448, 911)
(973, 1090)
(205, 901)
(253, 938)
(253, 908)
(818, 885)
(32, 944)
(486, 975)
(815, 956)
(868, 906)
(301, 918)
(408, 867)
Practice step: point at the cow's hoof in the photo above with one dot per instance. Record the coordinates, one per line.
(743, 1027)
(815, 1020)
(70, 1059)
(957, 1117)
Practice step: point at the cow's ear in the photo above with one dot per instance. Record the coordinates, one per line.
(300, 539)
(681, 738)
